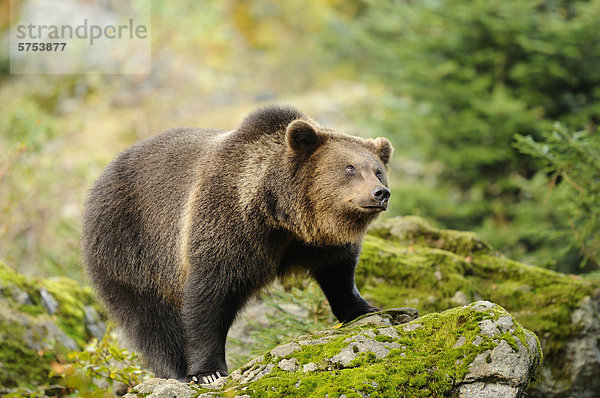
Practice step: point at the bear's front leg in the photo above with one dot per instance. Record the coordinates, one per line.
(337, 282)
(209, 308)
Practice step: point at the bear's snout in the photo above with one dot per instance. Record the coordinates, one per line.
(381, 195)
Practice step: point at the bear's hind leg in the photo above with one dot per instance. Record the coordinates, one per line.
(161, 338)
(153, 325)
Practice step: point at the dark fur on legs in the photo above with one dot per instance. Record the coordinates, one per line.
(153, 325)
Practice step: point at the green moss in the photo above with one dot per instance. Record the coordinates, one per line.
(317, 352)
(424, 278)
(412, 230)
(10, 277)
(10, 280)
(72, 299)
(28, 324)
(19, 362)
(426, 364)
(384, 339)
(414, 269)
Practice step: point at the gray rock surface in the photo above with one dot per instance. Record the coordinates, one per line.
(48, 301)
(502, 371)
(289, 365)
(582, 357)
(40, 333)
(93, 323)
(501, 368)
(162, 388)
(285, 350)
(309, 367)
(20, 297)
(362, 343)
(482, 389)
(393, 316)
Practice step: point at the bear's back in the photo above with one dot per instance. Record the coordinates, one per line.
(133, 212)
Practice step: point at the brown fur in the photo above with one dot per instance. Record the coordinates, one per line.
(182, 228)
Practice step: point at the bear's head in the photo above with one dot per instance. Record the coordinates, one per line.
(342, 182)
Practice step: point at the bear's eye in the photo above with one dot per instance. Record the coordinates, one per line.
(379, 176)
(350, 169)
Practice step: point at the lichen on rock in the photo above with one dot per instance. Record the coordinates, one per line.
(365, 358)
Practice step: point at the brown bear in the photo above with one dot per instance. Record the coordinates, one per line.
(184, 227)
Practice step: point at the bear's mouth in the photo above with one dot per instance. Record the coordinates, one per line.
(375, 208)
(371, 208)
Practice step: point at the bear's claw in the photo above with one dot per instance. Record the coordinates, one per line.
(207, 378)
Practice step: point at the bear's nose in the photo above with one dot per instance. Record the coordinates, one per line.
(381, 194)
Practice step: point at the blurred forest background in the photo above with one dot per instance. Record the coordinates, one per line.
(493, 108)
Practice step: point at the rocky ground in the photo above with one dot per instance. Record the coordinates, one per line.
(405, 263)
(475, 350)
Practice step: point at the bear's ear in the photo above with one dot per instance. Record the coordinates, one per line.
(302, 137)
(383, 149)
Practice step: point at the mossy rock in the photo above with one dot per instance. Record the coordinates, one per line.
(479, 346)
(41, 320)
(415, 230)
(406, 262)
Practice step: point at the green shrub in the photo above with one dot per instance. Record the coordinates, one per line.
(572, 164)
(102, 367)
